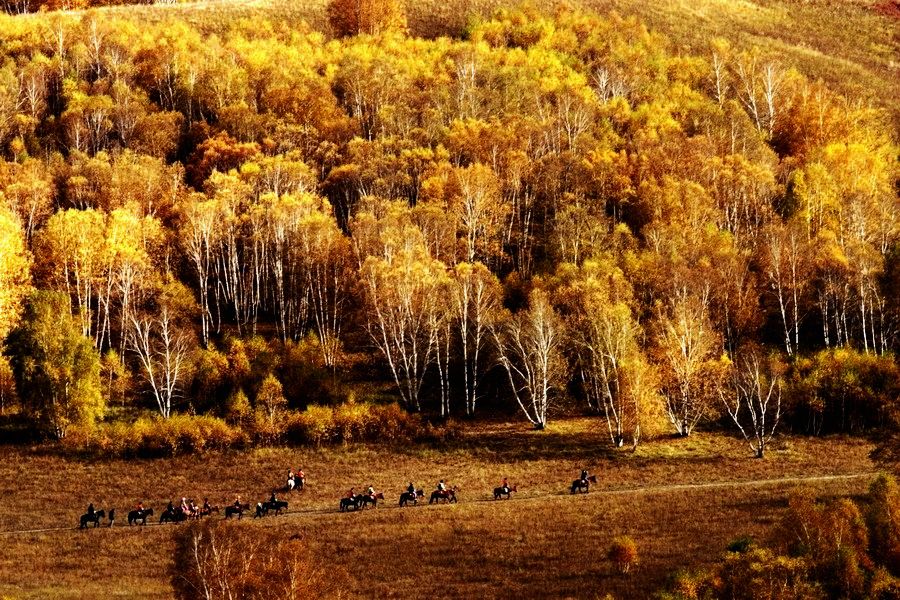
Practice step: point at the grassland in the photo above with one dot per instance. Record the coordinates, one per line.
(681, 500)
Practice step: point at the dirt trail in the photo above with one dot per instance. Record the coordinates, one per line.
(656, 489)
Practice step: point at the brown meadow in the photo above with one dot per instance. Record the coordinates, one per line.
(682, 501)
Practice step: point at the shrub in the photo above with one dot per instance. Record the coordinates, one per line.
(211, 563)
(237, 407)
(741, 544)
(624, 554)
(155, 437)
(360, 422)
(883, 520)
(843, 390)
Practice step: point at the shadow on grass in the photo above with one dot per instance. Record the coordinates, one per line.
(522, 444)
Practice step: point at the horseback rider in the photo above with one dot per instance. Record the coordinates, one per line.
(206, 507)
(272, 498)
(441, 486)
(504, 485)
(90, 509)
(170, 508)
(237, 502)
(371, 491)
(411, 490)
(185, 507)
(351, 494)
(299, 477)
(140, 506)
(584, 475)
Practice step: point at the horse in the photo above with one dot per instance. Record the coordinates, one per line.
(91, 518)
(238, 510)
(263, 508)
(176, 515)
(295, 483)
(348, 503)
(139, 515)
(407, 497)
(373, 499)
(504, 491)
(448, 496)
(583, 485)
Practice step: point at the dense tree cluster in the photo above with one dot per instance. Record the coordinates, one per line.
(559, 203)
(836, 549)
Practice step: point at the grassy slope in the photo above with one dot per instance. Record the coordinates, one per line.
(543, 541)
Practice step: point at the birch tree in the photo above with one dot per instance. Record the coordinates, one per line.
(15, 263)
(477, 300)
(686, 348)
(753, 400)
(604, 341)
(403, 301)
(529, 348)
(162, 343)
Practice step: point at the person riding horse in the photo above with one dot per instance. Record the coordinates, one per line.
(584, 475)
(504, 485)
(371, 491)
(411, 490)
(90, 510)
(441, 486)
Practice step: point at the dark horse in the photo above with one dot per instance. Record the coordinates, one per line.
(365, 499)
(263, 508)
(583, 485)
(139, 515)
(504, 491)
(348, 503)
(238, 510)
(91, 518)
(407, 497)
(176, 515)
(445, 495)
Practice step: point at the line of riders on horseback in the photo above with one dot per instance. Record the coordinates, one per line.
(296, 481)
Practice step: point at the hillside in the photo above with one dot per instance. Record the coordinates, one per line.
(853, 46)
(682, 502)
(406, 241)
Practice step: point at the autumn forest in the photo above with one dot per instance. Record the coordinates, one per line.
(553, 211)
(533, 239)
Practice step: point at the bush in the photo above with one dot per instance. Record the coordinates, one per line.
(843, 390)
(211, 563)
(155, 437)
(181, 434)
(361, 422)
(741, 544)
(624, 554)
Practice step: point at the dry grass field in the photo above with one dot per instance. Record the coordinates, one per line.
(681, 500)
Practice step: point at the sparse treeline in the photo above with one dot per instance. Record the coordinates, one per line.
(561, 203)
